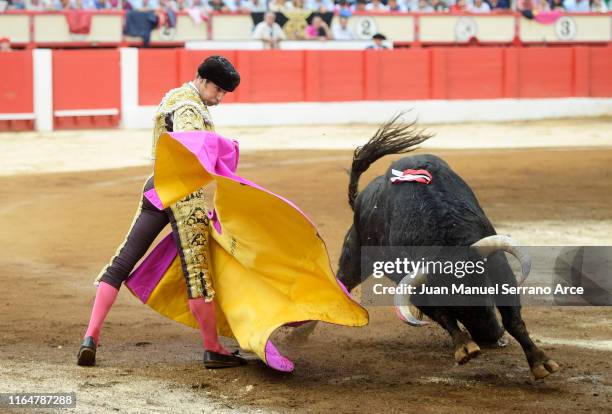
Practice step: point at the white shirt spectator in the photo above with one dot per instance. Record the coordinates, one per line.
(577, 6)
(253, 6)
(479, 6)
(320, 5)
(341, 29)
(269, 31)
(279, 6)
(376, 5)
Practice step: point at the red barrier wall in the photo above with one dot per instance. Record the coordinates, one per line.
(401, 74)
(86, 79)
(16, 89)
(91, 79)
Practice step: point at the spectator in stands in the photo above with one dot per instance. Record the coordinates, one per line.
(460, 6)
(269, 32)
(377, 6)
(530, 7)
(218, 6)
(500, 5)
(179, 5)
(280, 6)
(360, 6)
(320, 6)
(298, 6)
(5, 44)
(252, 6)
(318, 30)
(341, 29)
(17, 5)
(479, 6)
(598, 6)
(199, 6)
(423, 6)
(82, 5)
(577, 6)
(144, 5)
(343, 5)
(439, 5)
(378, 39)
(557, 5)
(397, 6)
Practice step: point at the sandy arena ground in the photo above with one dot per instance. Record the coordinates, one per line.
(65, 210)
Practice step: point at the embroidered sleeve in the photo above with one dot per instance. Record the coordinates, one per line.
(187, 119)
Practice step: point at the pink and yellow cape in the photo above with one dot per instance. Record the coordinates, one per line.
(269, 265)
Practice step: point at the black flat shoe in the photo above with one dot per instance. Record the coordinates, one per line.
(214, 360)
(87, 353)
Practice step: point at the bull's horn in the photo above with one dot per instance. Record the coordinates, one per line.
(489, 245)
(404, 310)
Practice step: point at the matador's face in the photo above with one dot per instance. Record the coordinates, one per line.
(210, 93)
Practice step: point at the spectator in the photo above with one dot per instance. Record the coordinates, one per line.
(269, 31)
(499, 5)
(557, 5)
(179, 5)
(82, 5)
(439, 6)
(35, 5)
(577, 6)
(280, 6)
(5, 44)
(342, 5)
(533, 6)
(360, 6)
(460, 6)
(218, 6)
(396, 6)
(252, 6)
(298, 5)
(319, 6)
(598, 6)
(376, 5)
(479, 6)
(144, 5)
(423, 6)
(318, 30)
(378, 42)
(17, 5)
(341, 29)
(199, 5)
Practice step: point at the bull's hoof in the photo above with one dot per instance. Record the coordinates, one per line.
(466, 351)
(544, 369)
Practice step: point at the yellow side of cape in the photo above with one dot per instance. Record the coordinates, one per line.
(269, 265)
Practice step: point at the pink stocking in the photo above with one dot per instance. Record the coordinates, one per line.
(205, 314)
(105, 297)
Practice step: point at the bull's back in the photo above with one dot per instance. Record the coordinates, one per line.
(443, 212)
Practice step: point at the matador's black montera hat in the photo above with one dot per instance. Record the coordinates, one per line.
(220, 71)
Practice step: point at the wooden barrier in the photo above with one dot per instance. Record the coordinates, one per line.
(86, 88)
(16, 92)
(437, 73)
(87, 91)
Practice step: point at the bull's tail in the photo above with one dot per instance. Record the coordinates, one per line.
(392, 137)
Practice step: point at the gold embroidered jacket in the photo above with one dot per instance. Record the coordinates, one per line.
(183, 110)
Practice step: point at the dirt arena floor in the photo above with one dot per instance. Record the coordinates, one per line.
(59, 229)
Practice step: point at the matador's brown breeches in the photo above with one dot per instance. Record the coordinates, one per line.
(189, 221)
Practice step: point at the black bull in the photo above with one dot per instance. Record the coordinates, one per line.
(442, 213)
